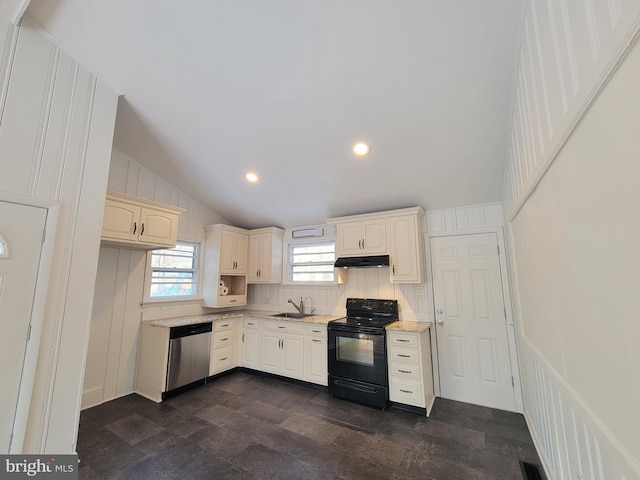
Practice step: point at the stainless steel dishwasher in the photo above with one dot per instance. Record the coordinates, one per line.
(189, 352)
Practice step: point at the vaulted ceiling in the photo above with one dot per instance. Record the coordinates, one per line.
(212, 89)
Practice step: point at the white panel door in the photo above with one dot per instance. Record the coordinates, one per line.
(471, 329)
(21, 229)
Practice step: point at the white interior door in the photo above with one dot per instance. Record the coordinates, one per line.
(471, 329)
(21, 229)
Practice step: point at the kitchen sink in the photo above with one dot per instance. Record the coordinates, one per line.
(293, 315)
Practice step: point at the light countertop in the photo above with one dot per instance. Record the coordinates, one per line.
(210, 317)
(406, 326)
(403, 326)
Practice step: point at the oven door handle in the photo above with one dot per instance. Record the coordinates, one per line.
(359, 388)
(357, 330)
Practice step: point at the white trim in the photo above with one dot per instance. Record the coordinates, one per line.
(37, 313)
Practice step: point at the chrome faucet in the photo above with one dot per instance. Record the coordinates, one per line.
(300, 307)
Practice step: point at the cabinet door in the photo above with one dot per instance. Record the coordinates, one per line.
(260, 258)
(270, 352)
(406, 260)
(120, 221)
(292, 359)
(349, 239)
(250, 348)
(374, 238)
(265, 259)
(315, 363)
(255, 257)
(227, 252)
(157, 227)
(242, 252)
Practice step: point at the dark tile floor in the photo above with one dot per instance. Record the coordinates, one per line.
(245, 426)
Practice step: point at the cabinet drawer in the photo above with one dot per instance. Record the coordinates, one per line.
(222, 339)
(403, 370)
(406, 391)
(221, 325)
(251, 323)
(408, 355)
(222, 360)
(316, 330)
(292, 327)
(403, 340)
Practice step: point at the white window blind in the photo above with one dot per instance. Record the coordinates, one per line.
(174, 272)
(311, 262)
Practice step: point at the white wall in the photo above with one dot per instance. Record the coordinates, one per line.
(117, 309)
(572, 197)
(56, 129)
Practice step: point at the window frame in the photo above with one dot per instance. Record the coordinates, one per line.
(197, 269)
(286, 264)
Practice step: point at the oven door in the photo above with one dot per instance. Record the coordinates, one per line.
(357, 355)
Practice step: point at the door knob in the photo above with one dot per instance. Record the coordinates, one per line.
(440, 311)
(440, 322)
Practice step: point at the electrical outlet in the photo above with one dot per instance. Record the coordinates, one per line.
(579, 476)
(419, 291)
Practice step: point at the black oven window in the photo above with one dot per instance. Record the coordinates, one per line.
(355, 350)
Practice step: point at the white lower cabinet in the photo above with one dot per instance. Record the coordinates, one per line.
(250, 343)
(281, 348)
(222, 347)
(315, 354)
(410, 371)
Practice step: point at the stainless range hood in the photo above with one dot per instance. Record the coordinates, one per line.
(366, 261)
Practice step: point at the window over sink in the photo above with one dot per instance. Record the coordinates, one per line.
(311, 262)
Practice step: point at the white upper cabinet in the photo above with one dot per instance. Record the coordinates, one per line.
(265, 255)
(233, 250)
(138, 223)
(397, 233)
(361, 238)
(225, 266)
(406, 257)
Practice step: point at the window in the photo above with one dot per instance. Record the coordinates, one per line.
(173, 273)
(311, 262)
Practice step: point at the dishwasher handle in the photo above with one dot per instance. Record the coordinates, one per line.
(188, 330)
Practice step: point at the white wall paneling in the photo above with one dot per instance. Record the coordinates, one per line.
(573, 234)
(117, 309)
(569, 50)
(56, 130)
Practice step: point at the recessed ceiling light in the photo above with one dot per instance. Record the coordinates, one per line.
(252, 177)
(361, 149)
